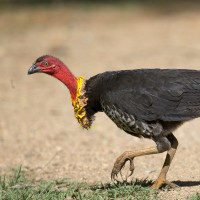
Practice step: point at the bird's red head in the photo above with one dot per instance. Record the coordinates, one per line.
(54, 67)
(47, 64)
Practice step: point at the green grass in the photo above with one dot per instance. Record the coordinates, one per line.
(18, 186)
(195, 196)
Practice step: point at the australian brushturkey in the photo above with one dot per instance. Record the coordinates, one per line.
(149, 103)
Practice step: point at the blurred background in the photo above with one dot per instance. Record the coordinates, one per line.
(37, 124)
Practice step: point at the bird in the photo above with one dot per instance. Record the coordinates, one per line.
(146, 103)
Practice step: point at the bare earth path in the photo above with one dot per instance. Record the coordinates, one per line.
(37, 126)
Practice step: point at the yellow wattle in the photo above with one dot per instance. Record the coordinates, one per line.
(79, 104)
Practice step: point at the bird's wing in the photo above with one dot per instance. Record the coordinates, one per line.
(158, 99)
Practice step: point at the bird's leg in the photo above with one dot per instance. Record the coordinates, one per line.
(168, 143)
(170, 154)
(130, 155)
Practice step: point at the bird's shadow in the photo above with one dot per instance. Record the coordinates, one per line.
(137, 182)
(146, 183)
(143, 183)
(186, 183)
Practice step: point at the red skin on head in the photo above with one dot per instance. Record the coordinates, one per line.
(60, 71)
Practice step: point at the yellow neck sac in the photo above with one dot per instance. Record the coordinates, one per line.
(79, 104)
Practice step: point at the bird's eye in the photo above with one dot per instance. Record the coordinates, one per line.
(45, 63)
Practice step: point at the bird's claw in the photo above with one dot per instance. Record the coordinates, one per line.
(132, 167)
(161, 181)
(119, 165)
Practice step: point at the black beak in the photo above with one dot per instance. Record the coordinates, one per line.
(33, 69)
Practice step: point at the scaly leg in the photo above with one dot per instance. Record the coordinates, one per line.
(169, 143)
(170, 154)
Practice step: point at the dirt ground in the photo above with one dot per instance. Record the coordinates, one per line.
(37, 124)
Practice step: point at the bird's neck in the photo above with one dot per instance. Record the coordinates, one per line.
(77, 90)
(65, 76)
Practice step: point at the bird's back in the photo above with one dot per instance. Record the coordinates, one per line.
(146, 95)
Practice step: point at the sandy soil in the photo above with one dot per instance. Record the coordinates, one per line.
(37, 126)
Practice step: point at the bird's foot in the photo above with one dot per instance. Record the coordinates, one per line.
(161, 181)
(119, 165)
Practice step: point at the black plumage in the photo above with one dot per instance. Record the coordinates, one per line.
(150, 95)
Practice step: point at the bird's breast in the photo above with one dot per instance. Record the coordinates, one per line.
(127, 122)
